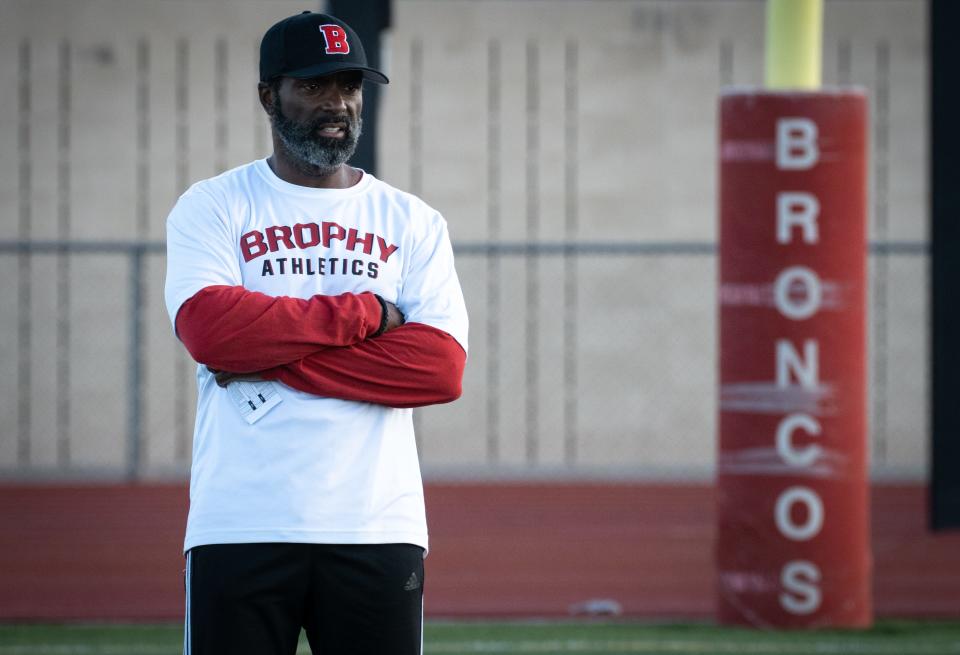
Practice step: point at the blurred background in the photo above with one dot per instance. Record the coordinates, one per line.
(571, 146)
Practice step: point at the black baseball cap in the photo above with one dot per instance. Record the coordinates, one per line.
(311, 45)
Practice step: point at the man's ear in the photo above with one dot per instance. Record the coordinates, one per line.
(265, 90)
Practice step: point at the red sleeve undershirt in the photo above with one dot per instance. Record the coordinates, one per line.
(321, 346)
(241, 331)
(410, 366)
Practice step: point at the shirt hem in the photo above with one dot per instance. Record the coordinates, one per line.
(293, 536)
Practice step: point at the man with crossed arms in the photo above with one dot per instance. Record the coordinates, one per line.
(322, 305)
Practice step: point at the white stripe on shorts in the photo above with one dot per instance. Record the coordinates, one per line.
(186, 618)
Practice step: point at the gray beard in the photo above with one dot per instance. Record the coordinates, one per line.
(311, 153)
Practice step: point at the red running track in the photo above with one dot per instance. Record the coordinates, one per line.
(99, 552)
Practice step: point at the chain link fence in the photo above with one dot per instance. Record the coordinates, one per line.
(572, 151)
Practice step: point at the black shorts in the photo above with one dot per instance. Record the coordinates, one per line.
(350, 599)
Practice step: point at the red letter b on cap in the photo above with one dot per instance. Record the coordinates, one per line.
(336, 39)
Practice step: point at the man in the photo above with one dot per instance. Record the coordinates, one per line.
(321, 304)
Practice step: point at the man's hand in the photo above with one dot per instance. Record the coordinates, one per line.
(224, 378)
(395, 317)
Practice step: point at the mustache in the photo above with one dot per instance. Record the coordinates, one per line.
(325, 119)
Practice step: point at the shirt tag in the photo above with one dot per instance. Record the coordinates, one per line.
(253, 399)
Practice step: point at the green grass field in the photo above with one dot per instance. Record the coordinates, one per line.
(583, 638)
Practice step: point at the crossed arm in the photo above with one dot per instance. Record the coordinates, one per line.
(324, 345)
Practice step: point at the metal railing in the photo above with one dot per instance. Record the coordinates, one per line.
(136, 253)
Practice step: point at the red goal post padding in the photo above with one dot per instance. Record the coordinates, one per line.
(793, 543)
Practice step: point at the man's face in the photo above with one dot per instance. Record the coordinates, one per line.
(318, 119)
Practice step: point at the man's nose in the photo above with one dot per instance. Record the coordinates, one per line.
(333, 99)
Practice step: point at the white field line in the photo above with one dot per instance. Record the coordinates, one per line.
(105, 649)
(639, 646)
(78, 649)
(654, 645)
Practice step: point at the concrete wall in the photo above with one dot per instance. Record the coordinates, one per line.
(580, 121)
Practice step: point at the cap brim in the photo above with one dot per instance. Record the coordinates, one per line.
(326, 69)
